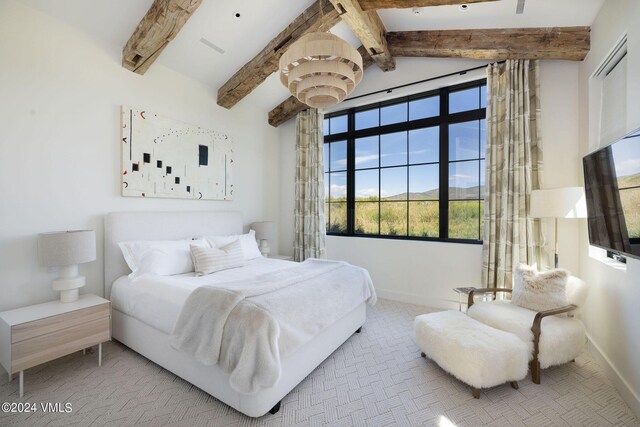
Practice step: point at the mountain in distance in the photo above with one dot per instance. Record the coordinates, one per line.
(454, 193)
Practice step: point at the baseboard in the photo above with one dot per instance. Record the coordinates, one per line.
(623, 387)
(418, 299)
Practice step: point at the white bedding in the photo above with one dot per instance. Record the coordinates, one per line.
(157, 300)
(248, 326)
(246, 319)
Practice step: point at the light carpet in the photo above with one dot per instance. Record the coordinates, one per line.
(377, 378)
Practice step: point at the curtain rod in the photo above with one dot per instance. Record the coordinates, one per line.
(391, 89)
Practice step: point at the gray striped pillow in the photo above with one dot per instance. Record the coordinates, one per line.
(209, 260)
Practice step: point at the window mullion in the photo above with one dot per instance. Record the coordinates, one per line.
(444, 164)
(351, 190)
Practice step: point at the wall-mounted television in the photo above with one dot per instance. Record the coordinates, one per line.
(612, 188)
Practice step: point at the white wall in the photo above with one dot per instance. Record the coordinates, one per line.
(612, 314)
(59, 144)
(426, 272)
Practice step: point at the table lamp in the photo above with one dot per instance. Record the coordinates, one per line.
(264, 231)
(67, 249)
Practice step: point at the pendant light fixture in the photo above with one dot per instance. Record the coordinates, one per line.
(321, 69)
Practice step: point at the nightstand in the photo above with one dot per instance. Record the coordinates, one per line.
(33, 335)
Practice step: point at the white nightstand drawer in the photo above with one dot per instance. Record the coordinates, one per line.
(36, 328)
(28, 353)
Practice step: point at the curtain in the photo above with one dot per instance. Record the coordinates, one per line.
(514, 165)
(310, 227)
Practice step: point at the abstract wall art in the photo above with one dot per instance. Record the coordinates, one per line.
(167, 158)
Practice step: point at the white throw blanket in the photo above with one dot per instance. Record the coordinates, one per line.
(247, 326)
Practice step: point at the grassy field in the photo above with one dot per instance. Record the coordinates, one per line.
(631, 207)
(423, 218)
(629, 181)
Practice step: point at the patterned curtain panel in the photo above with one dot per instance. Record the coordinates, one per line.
(514, 164)
(310, 228)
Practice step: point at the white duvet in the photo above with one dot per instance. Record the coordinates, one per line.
(247, 319)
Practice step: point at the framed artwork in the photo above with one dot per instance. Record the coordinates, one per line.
(162, 157)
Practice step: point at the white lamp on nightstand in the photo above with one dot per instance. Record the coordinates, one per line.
(264, 231)
(67, 249)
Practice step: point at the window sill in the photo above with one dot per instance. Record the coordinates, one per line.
(408, 239)
(600, 255)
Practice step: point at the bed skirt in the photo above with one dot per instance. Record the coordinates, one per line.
(154, 345)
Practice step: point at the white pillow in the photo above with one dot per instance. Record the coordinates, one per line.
(539, 291)
(161, 257)
(209, 260)
(248, 241)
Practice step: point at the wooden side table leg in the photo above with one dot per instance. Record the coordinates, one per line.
(475, 392)
(21, 383)
(100, 354)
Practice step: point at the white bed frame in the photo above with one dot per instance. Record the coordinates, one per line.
(154, 344)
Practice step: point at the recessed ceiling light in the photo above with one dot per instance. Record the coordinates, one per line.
(212, 45)
(464, 7)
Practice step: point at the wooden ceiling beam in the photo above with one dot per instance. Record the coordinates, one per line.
(368, 27)
(408, 4)
(265, 63)
(160, 25)
(288, 108)
(563, 43)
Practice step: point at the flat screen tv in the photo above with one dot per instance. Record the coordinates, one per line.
(612, 188)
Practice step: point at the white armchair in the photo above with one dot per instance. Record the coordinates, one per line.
(553, 340)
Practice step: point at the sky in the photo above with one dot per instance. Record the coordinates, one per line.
(409, 158)
(466, 141)
(626, 155)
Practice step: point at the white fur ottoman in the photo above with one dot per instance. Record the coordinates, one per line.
(473, 352)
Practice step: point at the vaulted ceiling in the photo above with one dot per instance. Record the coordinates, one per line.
(215, 43)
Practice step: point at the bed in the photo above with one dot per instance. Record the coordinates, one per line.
(148, 332)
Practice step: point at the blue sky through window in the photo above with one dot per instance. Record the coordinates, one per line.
(393, 114)
(367, 152)
(465, 100)
(367, 184)
(393, 149)
(424, 145)
(423, 179)
(367, 119)
(463, 140)
(626, 155)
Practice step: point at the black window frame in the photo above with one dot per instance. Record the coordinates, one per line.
(442, 121)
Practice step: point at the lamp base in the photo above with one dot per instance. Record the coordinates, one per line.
(264, 248)
(69, 283)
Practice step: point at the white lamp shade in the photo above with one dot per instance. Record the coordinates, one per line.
(568, 202)
(65, 248)
(264, 229)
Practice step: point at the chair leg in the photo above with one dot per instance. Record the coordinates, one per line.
(475, 392)
(275, 409)
(514, 384)
(535, 371)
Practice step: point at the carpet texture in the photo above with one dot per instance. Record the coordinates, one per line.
(377, 378)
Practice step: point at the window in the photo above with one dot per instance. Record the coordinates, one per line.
(410, 168)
